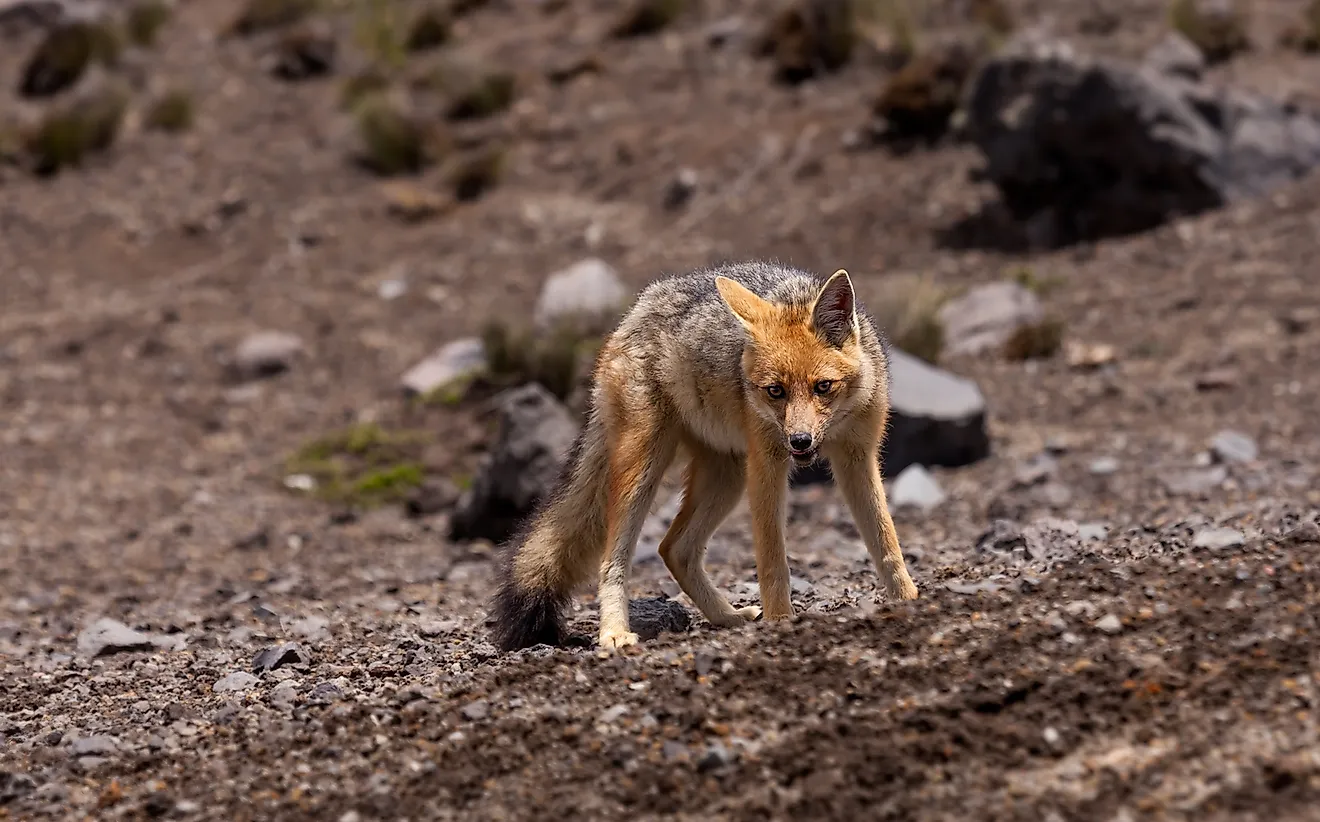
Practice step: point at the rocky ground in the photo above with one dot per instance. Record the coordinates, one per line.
(202, 616)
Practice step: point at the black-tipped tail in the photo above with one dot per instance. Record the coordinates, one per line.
(525, 617)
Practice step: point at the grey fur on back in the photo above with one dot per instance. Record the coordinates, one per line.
(685, 311)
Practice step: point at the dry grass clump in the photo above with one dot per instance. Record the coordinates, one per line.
(144, 20)
(394, 140)
(645, 17)
(1218, 29)
(919, 100)
(171, 112)
(515, 356)
(1037, 341)
(907, 310)
(69, 133)
(431, 28)
(810, 37)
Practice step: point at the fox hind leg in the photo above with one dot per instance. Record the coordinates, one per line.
(712, 486)
(641, 452)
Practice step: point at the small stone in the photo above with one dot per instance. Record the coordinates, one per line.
(392, 289)
(476, 711)
(313, 627)
(326, 692)
(716, 756)
(437, 627)
(1218, 539)
(234, 682)
(1050, 736)
(94, 746)
(284, 694)
(1103, 466)
(1109, 624)
(1092, 531)
(915, 487)
(447, 367)
(304, 52)
(800, 586)
(588, 294)
(612, 715)
(290, 653)
(266, 353)
(680, 189)
(1195, 481)
(413, 204)
(1176, 56)
(1233, 446)
(108, 636)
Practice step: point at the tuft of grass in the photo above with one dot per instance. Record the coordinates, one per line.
(362, 464)
(1039, 341)
(890, 26)
(379, 32)
(480, 93)
(68, 134)
(305, 52)
(394, 141)
(810, 37)
(516, 356)
(171, 112)
(476, 173)
(908, 312)
(263, 15)
(1026, 277)
(430, 29)
(646, 17)
(65, 54)
(1304, 34)
(1220, 33)
(362, 85)
(144, 20)
(919, 100)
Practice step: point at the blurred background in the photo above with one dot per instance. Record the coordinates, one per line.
(297, 303)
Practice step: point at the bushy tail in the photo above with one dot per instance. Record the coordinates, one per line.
(558, 550)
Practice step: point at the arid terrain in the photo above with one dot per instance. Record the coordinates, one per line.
(1118, 605)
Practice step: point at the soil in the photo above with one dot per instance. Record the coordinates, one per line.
(1152, 654)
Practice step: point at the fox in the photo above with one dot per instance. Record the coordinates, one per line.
(755, 370)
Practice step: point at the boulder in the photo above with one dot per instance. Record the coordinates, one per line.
(986, 317)
(1099, 147)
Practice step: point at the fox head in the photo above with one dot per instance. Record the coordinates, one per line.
(803, 363)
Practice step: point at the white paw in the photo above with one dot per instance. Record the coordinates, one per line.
(615, 641)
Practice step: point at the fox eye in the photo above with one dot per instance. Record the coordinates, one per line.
(776, 391)
(823, 386)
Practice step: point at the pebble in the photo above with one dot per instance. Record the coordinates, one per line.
(265, 353)
(284, 694)
(1109, 624)
(589, 292)
(1050, 736)
(1104, 466)
(1218, 539)
(94, 746)
(476, 711)
(452, 363)
(1233, 446)
(234, 682)
(108, 636)
(915, 487)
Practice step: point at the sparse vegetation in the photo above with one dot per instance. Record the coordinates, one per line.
(994, 15)
(1220, 32)
(394, 141)
(477, 172)
(549, 357)
(908, 312)
(171, 112)
(890, 26)
(361, 85)
(379, 32)
(71, 132)
(920, 99)
(1304, 33)
(1038, 341)
(808, 37)
(144, 20)
(479, 93)
(430, 29)
(65, 55)
(645, 17)
(1026, 277)
(363, 465)
(263, 15)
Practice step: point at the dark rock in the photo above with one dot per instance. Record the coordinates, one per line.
(535, 433)
(14, 786)
(290, 653)
(936, 420)
(984, 318)
(64, 56)
(648, 618)
(680, 189)
(1047, 539)
(305, 52)
(326, 692)
(1106, 148)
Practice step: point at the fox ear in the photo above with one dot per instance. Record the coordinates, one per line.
(746, 306)
(834, 316)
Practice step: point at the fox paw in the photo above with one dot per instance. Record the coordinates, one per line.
(615, 641)
(737, 617)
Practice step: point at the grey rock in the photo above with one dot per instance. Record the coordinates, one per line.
(1195, 481)
(476, 711)
(973, 588)
(1035, 470)
(1103, 466)
(450, 365)
(290, 653)
(535, 433)
(1218, 539)
(1092, 531)
(1233, 446)
(434, 495)
(326, 692)
(438, 627)
(15, 786)
(648, 618)
(986, 316)
(1048, 539)
(1176, 56)
(235, 682)
(1109, 624)
(284, 694)
(108, 636)
(716, 756)
(800, 586)
(312, 627)
(1106, 148)
(588, 296)
(94, 746)
(916, 488)
(266, 353)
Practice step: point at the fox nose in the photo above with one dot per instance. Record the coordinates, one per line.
(799, 441)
